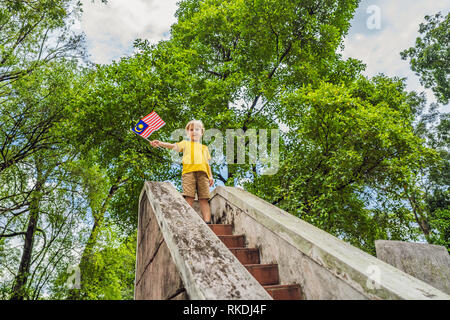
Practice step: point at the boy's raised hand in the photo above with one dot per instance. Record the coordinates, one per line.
(155, 143)
(211, 182)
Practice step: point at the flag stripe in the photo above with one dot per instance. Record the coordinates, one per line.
(151, 114)
(150, 117)
(154, 122)
(151, 129)
(159, 125)
(149, 133)
(144, 134)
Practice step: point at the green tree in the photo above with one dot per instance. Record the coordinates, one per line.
(355, 157)
(109, 274)
(115, 97)
(430, 57)
(34, 34)
(35, 186)
(347, 145)
(246, 53)
(38, 54)
(432, 199)
(218, 55)
(28, 29)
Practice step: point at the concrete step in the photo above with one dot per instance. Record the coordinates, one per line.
(246, 255)
(221, 229)
(284, 292)
(233, 241)
(265, 274)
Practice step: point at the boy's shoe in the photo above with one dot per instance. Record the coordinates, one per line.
(208, 222)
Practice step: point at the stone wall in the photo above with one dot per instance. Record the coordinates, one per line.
(427, 262)
(323, 265)
(157, 277)
(179, 256)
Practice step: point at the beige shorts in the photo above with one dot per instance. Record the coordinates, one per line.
(196, 181)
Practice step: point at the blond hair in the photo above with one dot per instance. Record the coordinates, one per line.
(195, 122)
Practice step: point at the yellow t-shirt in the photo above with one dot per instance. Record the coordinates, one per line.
(195, 156)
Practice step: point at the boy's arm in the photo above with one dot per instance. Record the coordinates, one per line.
(208, 157)
(211, 180)
(157, 143)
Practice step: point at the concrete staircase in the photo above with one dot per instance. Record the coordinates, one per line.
(256, 251)
(266, 274)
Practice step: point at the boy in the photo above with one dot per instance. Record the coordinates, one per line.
(196, 174)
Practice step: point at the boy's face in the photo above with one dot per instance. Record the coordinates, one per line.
(195, 132)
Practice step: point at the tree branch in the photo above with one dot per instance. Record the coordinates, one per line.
(12, 234)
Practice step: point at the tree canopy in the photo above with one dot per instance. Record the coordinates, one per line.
(359, 157)
(430, 57)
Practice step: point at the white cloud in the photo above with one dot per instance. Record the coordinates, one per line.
(380, 49)
(111, 29)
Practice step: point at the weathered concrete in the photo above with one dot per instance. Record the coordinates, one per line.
(324, 266)
(208, 270)
(427, 262)
(153, 258)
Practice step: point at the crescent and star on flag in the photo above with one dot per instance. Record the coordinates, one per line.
(148, 124)
(140, 127)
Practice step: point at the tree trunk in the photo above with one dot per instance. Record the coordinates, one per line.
(418, 214)
(19, 288)
(87, 255)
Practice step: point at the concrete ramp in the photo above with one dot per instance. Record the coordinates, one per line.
(254, 250)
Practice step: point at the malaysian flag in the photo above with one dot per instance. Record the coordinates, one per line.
(148, 124)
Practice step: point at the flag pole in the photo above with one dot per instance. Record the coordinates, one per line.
(152, 117)
(145, 138)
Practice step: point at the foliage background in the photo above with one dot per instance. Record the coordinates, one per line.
(360, 157)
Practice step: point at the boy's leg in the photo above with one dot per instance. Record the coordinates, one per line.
(203, 195)
(190, 200)
(206, 210)
(188, 184)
